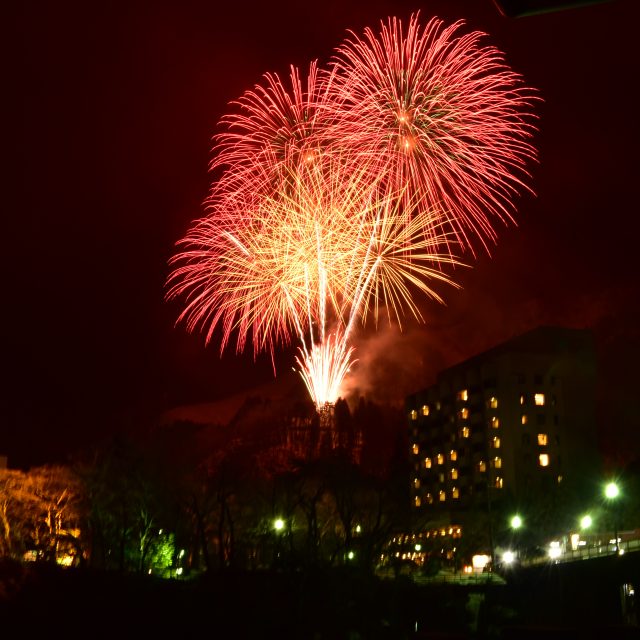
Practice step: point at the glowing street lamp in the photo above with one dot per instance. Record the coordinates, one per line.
(586, 521)
(516, 522)
(611, 492)
(278, 524)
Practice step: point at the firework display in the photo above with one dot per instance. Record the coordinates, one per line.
(346, 195)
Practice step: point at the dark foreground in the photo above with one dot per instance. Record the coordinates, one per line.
(50, 602)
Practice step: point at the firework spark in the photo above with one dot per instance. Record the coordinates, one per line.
(345, 196)
(313, 262)
(440, 114)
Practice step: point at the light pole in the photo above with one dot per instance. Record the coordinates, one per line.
(611, 492)
(516, 524)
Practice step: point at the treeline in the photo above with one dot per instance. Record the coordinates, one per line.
(189, 499)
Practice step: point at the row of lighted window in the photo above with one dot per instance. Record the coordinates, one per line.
(408, 538)
(492, 403)
(453, 455)
(454, 494)
(425, 410)
(494, 463)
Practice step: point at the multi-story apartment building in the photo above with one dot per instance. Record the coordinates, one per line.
(516, 419)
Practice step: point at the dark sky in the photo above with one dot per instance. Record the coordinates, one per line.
(115, 105)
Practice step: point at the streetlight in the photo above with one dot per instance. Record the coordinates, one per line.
(586, 521)
(611, 492)
(516, 523)
(278, 524)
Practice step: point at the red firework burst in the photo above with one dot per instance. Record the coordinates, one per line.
(439, 115)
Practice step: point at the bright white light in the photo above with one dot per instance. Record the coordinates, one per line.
(179, 571)
(516, 522)
(611, 490)
(480, 561)
(418, 547)
(278, 524)
(554, 550)
(508, 557)
(586, 522)
(351, 555)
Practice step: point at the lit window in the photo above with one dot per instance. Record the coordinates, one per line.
(482, 466)
(497, 463)
(492, 402)
(416, 483)
(440, 459)
(521, 399)
(542, 439)
(495, 422)
(442, 496)
(417, 501)
(495, 442)
(416, 449)
(463, 395)
(425, 409)
(464, 432)
(427, 463)
(498, 484)
(455, 493)
(453, 455)
(559, 479)
(543, 459)
(454, 474)
(414, 414)
(463, 414)
(438, 406)
(524, 418)
(429, 498)
(539, 399)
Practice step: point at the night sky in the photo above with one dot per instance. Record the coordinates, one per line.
(115, 105)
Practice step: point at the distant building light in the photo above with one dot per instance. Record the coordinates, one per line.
(499, 482)
(493, 402)
(480, 561)
(417, 501)
(523, 418)
(455, 493)
(453, 455)
(495, 422)
(508, 557)
(495, 442)
(440, 459)
(538, 398)
(482, 466)
(427, 463)
(555, 551)
(463, 395)
(454, 473)
(543, 439)
(442, 495)
(425, 409)
(416, 449)
(464, 432)
(414, 414)
(543, 459)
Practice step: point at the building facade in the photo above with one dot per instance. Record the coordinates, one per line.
(517, 419)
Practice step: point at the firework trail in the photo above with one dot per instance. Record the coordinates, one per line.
(344, 195)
